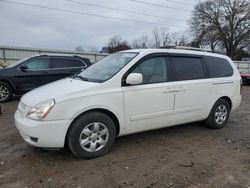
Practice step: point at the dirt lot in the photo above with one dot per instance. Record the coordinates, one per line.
(189, 155)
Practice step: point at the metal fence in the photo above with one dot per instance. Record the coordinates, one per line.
(10, 54)
(242, 65)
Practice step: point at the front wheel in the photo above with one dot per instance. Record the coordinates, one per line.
(6, 92)
(91, 135)
(219, 114)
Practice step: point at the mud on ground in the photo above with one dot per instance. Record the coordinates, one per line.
(189, 155)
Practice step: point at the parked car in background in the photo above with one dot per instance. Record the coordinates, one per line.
(38, 70)
(245, 75)
(129, 92)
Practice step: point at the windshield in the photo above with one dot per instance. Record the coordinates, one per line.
(107, 67)
(17, 62)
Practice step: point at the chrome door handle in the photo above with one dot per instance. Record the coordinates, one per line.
(179, 89)
(168, 90)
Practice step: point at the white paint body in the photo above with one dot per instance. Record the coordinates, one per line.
(138, 108)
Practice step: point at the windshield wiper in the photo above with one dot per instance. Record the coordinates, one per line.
(82, 78)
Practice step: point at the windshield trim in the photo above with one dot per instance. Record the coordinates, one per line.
(15, 64)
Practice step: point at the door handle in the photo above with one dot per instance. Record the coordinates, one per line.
(168, 90)
(179, 89)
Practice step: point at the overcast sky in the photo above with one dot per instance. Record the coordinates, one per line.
(28, 26)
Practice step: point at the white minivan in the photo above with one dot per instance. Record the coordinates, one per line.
(129, 92)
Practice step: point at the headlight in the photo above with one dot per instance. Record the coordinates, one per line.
(41, 110)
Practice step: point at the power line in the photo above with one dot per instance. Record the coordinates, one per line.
(123, 10)
(159, 5)
(78, 12)
(81, 13)
(186, 4)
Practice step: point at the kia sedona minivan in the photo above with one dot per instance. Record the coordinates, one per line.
(32, 72)
(129, 92)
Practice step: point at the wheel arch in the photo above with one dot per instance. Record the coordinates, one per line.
(102, 110)
(10, 83)
(228, 99)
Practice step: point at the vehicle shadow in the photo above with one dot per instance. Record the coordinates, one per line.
(130, 142)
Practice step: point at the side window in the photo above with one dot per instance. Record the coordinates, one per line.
(218, 67)
(66, 63)
(38, 63)
(188, 68)
(153, 70)
(78, 63)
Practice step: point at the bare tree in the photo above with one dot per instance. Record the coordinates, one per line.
(165, 36)
(183, 40)
(151, 43)
(79, 49)
(174, 38)
(117, 44)
(223, 22)
(141, 42)
(91, 49)
(156, 35)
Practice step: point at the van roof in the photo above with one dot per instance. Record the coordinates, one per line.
(179, 51)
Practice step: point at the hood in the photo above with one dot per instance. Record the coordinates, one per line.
(4, 72)
(60, 90)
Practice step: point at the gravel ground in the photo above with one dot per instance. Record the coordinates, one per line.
(189, 155)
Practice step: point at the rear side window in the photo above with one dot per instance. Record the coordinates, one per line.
(218, 67)
(188, 68)
(66, 63)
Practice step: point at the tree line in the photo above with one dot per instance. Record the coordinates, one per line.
(217, 25)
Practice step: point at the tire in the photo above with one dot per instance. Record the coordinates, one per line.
(6, 92)
(219, 115)
(96, 131)
(244, 81)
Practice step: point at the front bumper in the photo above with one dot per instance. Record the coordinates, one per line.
(47, 134)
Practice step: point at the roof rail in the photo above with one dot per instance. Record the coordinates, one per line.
(185, 48)
(76, 56)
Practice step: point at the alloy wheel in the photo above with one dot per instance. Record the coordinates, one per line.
(4, 93)
(221, 114)
(94, 137)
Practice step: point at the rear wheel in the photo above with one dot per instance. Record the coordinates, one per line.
(6, 92)
(244, 82)
(91, 135)
(219, 114)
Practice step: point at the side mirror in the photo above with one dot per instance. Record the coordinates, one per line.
(23, 68)
(134, 79)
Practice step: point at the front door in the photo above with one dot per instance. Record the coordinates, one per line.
(150, 104)
(35, 74)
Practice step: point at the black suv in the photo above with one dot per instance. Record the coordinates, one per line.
(30, 73)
